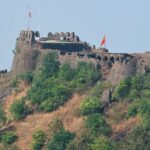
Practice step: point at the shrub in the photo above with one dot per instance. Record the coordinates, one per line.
(50, 64)
(49, 94)
(132, 110)
(138, 139)
(27, 77)
(90, 105)
(141, 106)
(146, 122)
(2, 116)
(66, 72)
(9, 137)
(60, 140)
(54, 85)
(39, 138)
(122, 89)
(97, 124)
(59, 95)
(87, 73)
(15, 83)
(102, 143)
(82, 141)
(18, 109)
(98, 89)
(55, 126)
(137, 84)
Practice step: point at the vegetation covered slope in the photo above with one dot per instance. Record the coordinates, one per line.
(60, 108)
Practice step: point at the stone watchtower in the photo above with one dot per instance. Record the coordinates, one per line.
(24, 54)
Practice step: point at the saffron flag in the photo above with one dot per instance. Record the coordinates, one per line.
(103, 41)
(29, 14)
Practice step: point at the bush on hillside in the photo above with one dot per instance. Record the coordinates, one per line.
(39, 138)
(9, 137)
(97, 124)
(82, 141)
(141, 106)
(137, 139)
(60, 140)
(91, 105)
(18, 109)
(53, 85)
(2, 116)
(103, 143)
(27, 77)
(15, 83)
(50, 64)
(122, 90)
(66, 72)
(56, 126)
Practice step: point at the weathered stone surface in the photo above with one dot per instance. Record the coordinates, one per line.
(113, 66)
(106, 97)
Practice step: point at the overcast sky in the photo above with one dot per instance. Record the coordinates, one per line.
(126, 23)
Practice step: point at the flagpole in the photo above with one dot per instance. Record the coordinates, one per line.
(29, 17)
(105, 41)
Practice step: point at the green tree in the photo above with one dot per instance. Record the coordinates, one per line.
(66, 72)
(138, 139)
(50, 64)
(27, 77)
(56, 126)
(60, 140)
(91, 105)
(9, 137)
(123, 88)
(18, 109)
(39, 138)
(97, 124)
(103, 143)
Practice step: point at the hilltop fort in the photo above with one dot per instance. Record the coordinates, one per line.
(30, 49)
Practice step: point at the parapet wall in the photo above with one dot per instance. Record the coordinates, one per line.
(71, 37)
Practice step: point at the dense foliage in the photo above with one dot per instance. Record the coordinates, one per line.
(9, 137)
(91, 105)
(54, 85)
(133, 88)
(39, 138)
(27, 77)
(60, 140)
(97, 124)
(137, 90)
(18, 109)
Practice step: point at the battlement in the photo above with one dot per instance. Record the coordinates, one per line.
(68, 36)
(26, 36)
(31, 48)
(57, 41)
(2, 72)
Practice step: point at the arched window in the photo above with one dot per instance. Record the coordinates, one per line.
(112, 59)
(99, 58)
(105, 58)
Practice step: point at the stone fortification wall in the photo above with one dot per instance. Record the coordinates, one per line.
(70, 37)
(25, 57)
(113, 66)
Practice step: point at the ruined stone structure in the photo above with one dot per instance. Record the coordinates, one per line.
(30, 49)
(2, 72)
